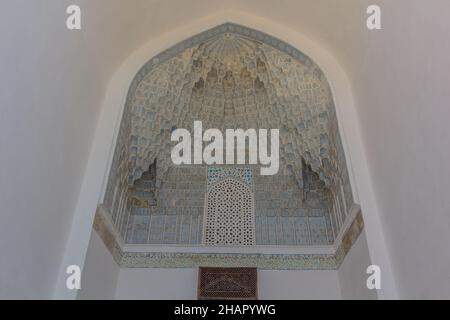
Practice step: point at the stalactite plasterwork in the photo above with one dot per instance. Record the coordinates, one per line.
(228, 77)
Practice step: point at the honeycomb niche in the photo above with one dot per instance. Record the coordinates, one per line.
(230, 77)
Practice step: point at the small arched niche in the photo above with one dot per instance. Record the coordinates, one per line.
(229, 214)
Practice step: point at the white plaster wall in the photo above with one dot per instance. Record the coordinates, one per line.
(179, 284)
(298, 285)
(52, 84)
(157, 284)
(99, 276)
(352, 272)
(401, 82)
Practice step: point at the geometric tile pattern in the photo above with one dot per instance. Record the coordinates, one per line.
(291, 230)
(282, 217)
(225, 260)
(162, 228)
(215, 174)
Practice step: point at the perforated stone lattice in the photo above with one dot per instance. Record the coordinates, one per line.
(230, 215)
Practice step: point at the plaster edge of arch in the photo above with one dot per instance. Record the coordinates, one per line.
(106, 133)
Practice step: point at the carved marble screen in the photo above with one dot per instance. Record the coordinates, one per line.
(229, 214)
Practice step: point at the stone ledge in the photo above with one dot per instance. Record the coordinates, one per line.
(129, 259)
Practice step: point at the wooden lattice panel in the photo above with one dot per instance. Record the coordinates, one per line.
(228, 284)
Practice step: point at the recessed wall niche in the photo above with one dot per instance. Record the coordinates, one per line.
(230, 77)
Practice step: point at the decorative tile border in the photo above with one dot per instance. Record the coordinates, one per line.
(112, 240)
(216, 174)
(260, 261)
(349, 238)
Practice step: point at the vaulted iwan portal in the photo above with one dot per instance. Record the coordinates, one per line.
(230, 77)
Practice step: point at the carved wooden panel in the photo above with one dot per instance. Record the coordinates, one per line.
(228, 284)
